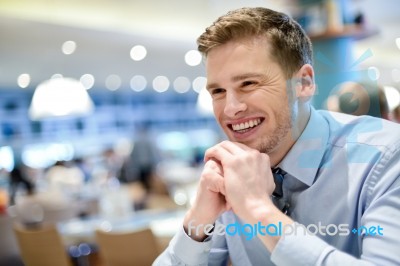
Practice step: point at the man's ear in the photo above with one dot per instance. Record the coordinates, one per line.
(305, 86)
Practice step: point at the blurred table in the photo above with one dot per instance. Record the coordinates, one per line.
(164, 225)
(181, 180)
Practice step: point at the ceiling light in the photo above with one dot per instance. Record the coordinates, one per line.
(161, 84)
(24, 80)
(199, 83)
(138, 52)
(68, 47)
(182, 84)
(398, 42)
(113, 82)
(60, 97)
(193, 58)
(138, 83)
(87, 81)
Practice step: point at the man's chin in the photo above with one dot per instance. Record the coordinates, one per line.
(250, 144)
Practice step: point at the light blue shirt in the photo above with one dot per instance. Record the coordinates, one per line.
(342, 171)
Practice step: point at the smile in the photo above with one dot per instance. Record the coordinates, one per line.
(244, 126)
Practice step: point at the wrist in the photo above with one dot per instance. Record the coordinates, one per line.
(197, 228)
(261, 211)
(272, 218)
(269, 214)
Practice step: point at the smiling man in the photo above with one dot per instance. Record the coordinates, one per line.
(314, 187)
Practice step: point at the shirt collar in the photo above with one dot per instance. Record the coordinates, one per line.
(305, 157)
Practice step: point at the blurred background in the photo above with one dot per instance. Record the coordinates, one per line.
(138, 63)
(100, 96)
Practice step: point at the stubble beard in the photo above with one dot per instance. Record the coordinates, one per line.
(284, 124)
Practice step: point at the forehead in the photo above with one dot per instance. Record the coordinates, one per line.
(238, 57)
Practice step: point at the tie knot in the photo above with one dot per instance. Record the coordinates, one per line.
(277, 195)
(278, 171)
(279, 175)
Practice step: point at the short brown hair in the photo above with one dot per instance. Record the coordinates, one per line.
(291, 47)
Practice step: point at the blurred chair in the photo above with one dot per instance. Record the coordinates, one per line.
(55, 216)
(127, 248)
(41, 246)
(9, 251)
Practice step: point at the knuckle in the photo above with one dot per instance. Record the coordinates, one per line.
(254, 154)
(266, 158)
(205, 179)
(207, 172)
(225, 142)
(207, 152)
(211, 165)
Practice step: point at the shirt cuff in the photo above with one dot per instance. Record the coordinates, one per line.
(299, 247)
(190, 251)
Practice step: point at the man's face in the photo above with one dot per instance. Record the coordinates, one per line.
(249, 94)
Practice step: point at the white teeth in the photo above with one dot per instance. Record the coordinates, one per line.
(246, 125)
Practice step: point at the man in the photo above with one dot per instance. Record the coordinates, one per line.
(360, 98)
(339, 172)
(17, 177)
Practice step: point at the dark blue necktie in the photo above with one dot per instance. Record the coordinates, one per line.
(277, 195)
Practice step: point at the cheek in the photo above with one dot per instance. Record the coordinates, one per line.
(218, 108)
(218, 114)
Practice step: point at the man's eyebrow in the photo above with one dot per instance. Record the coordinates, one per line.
(246, 76)
(212, 85)
(237, 78)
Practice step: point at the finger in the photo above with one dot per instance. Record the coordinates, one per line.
(216, 153)
(220, 151)
(234, 147)
(231, 147)
(266, 159)
(217, 185)
(215, 166)
(215, 177)
(243, 146)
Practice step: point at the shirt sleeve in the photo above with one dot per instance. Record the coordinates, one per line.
(303, 249)
(183, 250)
(382, 207)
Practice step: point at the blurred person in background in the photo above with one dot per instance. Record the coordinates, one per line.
(112, 163)
(360, 98)
(290, 177)
(18, 177)
(141, 163)
(83, 164)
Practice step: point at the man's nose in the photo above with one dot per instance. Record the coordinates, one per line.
(234, 105)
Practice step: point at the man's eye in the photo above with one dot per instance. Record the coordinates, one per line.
(217, 91)
(248, 83)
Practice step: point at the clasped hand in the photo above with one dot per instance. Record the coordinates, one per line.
(235, 177)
